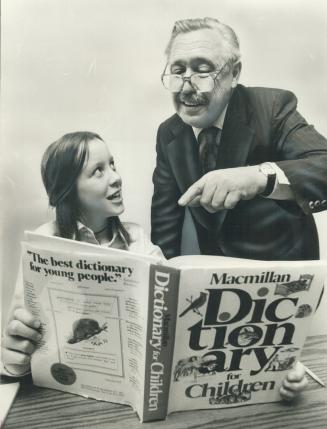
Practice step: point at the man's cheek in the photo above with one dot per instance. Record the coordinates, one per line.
(176, 100)
(177, 103)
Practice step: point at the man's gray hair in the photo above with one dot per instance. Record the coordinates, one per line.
(231, 45)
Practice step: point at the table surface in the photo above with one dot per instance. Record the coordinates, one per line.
(39, 408)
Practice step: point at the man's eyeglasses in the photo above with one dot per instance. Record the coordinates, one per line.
(202, 82)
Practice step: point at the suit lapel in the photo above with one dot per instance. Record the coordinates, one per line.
(184, 159)
(237, 134)
(235, 143)
(183, 156)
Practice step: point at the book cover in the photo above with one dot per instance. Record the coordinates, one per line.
(240, 330)
(162, 336)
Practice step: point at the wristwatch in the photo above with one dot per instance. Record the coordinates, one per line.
(270, 173)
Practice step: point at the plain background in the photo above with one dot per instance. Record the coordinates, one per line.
(95, 65)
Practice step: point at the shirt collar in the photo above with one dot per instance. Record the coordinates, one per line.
(219, 122)
(85, 234)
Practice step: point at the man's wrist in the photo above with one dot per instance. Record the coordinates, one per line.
(262, 182)
(270, 175)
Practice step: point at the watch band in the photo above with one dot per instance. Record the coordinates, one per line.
(269, 172)
(271, 179)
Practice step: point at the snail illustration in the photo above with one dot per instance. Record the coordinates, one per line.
(83, 329)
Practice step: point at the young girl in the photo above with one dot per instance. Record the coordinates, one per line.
(84, 187)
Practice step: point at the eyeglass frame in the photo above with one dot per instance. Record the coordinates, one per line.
(188, 78)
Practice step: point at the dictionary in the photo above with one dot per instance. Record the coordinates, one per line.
(194, 332)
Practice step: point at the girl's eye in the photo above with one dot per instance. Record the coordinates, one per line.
(98, 172)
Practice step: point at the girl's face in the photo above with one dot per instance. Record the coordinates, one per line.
(99, 186)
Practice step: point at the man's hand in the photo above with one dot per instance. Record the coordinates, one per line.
(294, 383)
(223, 189)
(19, 342)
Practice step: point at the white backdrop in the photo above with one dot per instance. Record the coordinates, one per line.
(95, 65)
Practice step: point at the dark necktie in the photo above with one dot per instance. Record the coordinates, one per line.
(208, 148)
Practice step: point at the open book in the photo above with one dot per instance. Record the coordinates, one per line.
(191, 333)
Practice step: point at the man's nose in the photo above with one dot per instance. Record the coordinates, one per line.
(186, 85)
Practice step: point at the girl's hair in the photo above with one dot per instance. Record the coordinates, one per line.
(61, 165)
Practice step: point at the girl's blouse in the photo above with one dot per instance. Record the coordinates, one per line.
(140, 243)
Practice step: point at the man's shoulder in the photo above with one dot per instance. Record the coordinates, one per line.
(171, 126)
(263, 94)
(172, 121)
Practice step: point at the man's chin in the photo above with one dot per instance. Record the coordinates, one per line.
(194, 119)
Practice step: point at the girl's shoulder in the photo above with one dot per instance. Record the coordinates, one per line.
(49, 229)
(140, 242)
(134, 230)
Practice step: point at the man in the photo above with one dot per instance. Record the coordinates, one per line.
(246, 163)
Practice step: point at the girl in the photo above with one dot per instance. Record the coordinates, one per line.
(84, 187)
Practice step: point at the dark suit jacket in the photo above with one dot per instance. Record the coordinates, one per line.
(261, 124)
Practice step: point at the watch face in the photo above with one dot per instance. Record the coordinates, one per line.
(267, 169)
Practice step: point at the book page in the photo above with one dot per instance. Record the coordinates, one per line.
(7, 396)
(189, 261)
(239, 330)
(93, 317)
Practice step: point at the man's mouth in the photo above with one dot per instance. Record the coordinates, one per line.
(115, 195)
(192, 101)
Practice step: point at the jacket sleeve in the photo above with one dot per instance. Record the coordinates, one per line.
(166, 215)
(302, 154)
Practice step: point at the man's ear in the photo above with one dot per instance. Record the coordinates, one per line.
(236, 73)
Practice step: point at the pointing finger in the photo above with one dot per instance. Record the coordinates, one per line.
(193, 191)
(195, 202)
(208, 192)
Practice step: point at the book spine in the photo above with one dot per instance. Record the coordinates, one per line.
(162, 309)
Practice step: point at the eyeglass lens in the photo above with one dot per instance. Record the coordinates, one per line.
(202, 83)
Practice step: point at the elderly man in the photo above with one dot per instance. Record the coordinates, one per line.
(246, 163)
